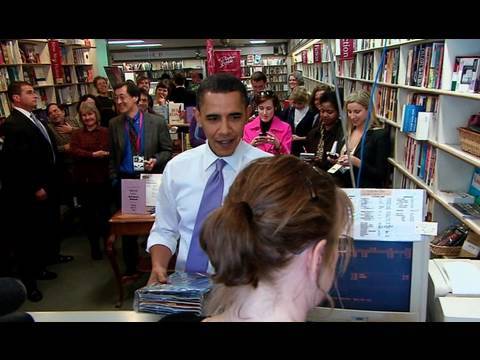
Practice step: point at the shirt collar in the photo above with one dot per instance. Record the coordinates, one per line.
(24, 112)
(135, 118)
(233, 160)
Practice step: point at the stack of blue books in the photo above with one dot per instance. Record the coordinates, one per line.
(184, 292)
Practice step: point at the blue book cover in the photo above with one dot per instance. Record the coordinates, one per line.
(475, 185)
(410, 117)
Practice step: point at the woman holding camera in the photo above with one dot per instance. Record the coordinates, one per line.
(267, 131)
(327, 132)
(374, 161)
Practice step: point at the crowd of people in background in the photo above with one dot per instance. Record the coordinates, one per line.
(71, 162)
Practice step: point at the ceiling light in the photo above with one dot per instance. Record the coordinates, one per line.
(258, 41)
(119, 42)
(145, 45)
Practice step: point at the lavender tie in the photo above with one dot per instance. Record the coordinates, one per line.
(197, 260)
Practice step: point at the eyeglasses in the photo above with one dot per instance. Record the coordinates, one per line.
(266, 93)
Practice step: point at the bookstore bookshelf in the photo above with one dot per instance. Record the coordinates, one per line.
(274, 67)
(438, 76)
(60, 71)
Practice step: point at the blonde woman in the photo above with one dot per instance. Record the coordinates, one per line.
(376, 149)
(300, 117)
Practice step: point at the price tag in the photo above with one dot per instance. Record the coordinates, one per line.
(426, 228)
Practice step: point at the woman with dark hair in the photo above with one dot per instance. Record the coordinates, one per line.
(267, 131)
(327, 132)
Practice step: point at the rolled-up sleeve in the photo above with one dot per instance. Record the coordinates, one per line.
(165, 229)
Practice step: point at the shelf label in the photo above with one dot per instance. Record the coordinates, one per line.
(426, 228)
(346, 49)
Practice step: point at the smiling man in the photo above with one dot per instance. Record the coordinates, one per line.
(195, 182)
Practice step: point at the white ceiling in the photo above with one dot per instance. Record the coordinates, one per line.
(188, 43)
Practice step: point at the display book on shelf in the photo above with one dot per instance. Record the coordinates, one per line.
(421, 72)
(34, 60)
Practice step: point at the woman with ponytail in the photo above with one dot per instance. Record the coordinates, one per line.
(275, 242)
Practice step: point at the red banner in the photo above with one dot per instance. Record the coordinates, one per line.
(304, 57)
(210, 59)
(317, 53)
(228, 61)
(346, 49)
(56, 60)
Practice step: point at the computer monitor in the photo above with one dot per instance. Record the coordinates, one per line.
(384, 281)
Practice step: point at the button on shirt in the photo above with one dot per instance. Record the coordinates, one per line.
(180, 193)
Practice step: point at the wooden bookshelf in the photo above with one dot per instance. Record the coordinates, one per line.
(42, 70)
(451, 166)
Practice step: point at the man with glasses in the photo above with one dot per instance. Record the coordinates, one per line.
(139, 143)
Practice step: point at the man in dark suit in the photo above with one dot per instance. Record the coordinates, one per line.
(29, 189)
(139, 142)
(180, 94)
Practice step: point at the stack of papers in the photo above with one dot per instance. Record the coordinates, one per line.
(185, 292)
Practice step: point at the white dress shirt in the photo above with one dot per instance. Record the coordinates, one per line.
(299, 115)
(183, 182)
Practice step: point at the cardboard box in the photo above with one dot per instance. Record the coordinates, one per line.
(471, 246)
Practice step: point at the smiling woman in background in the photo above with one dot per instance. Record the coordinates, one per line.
(89, 148)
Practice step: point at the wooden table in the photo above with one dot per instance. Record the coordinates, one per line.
(120, 225)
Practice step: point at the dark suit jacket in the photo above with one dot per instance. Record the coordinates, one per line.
(182, 95)
(27, 159)
(158, 143)
(375, 167)
(302, 129)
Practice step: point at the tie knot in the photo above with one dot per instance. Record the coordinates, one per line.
(219, 164)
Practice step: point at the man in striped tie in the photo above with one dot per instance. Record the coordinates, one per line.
(195, 182)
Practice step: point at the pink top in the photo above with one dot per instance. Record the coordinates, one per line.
(280, 129)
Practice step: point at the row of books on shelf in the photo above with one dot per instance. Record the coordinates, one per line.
(346, 68)
(255, 60)
(419, 114)
(419, 159)
(366, 71)
(9, 54)
(390, 67)
(387, 102)
(274, 70)
(4, 108)
(364, 44)
(466, 74)
(277, 78)
(81, 56)
(424, 65)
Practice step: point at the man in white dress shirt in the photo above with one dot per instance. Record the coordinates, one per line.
(222, 113)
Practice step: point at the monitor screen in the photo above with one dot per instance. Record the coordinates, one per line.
(377, 278)
(387, 276)
(384, 281)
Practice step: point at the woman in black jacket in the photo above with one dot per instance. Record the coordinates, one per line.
(374, 161)
(300, 117)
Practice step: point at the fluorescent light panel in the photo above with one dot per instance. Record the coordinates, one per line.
(258, 41)
(119, 42)
(145, 45)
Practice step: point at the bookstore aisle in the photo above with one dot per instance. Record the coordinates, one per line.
(428, 96)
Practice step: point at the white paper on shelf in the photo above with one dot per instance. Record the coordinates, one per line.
(387, 214)
(153, 182)
(464, 277)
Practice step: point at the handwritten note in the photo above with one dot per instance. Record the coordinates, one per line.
(387, 214)
(133, 196)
